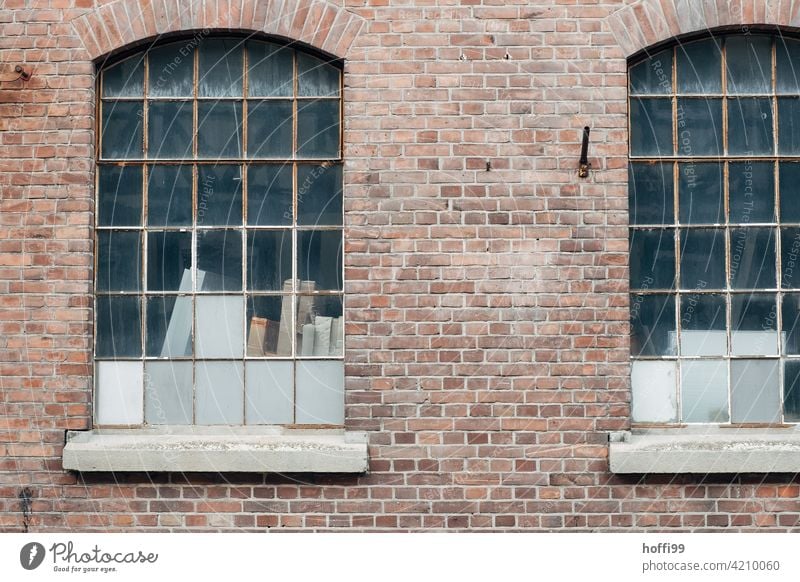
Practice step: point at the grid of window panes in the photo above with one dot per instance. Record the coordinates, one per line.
(219, 276)
(714, 206)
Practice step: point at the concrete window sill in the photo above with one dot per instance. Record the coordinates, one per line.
(706, 450)
(217, 449)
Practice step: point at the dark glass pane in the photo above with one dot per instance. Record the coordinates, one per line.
(699, 127)
(699, 67)
(319, 258)
(269, 326)
(789, 125)
(269, 194)
(219, 260)
(169, 261)
(749, 62)
(703, 325)
(650, 193)
(271, 71)
(318, 129)
(750, 126)
(788, 71)
(752, 258)
(169, 129)
(653, 75)
(790, 258)
(319, 326)
(221, 65)
(789, 176)
(791, 324)
(316, 78)
(171, 70)
(653, 325)
(169, 195)
(219, 195)
(118, 260)
(752, 192)
(701, 191)
(651, 127)
(755, 395)
(652, 254)
(169, 326)
(119, 327)
(219, 132)
(269, 259)
(754, 325)
(269, 129)
(122, 129)
(125, 79)
(702, 258)
(119, 197)
(791, 391)
(319, 194)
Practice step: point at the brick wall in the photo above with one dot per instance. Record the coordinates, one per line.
(487, 311)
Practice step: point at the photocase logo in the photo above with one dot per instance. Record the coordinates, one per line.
(31, 555)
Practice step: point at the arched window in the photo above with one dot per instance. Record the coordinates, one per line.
(715, 231)
(219, 261)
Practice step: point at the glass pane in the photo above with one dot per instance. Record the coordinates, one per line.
(118, 260)
(119, 393)
(787, 73)
(752, 192)
(752, 258)
(749, 62)
(169, 326)
(169, 261)
(219, 323)
(169, 195)
(789, 126)
(653, 392)
(269, 194)
(169, 129)
(221, 65)
(219, 132)
(755, 396)
(168, 392)
(269, 259)
(653, 75)
(219, 260)
(650, 193)
(750, 126)
(791, 391)
(789, 176)
(269, 129)
(652, 256)
(319, 195)
(320, 329)
(319, 258)
(269, 327)
(320, 393)
(651, 127)
(219, 195)
(316, 78)
(269, 392)
(270, 70)
(703, 325)
(699, 127)
(791, 324)
(699, 67)
(119, 327)
(653, 325)
(754, 325)
(119, 198)
(790, 258)
(702, 258)
(122, 130)
(704, 391)
(318, 129)
(701, 192)
(219, 396)
(125, 79)
(171, 70)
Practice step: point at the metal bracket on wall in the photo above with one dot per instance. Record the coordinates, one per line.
(583, 168)
(20, 74)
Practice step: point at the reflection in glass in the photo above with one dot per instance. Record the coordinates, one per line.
(790, 258)
(751, 191)
(171, 70)
(119, 195)
(269, 129)
(318, 129)
(169, 129)
(319, 194)
(700, 192)
(750, 126)
(752, 258)
(269, 194)
(270, 70)
(118, 260)
(749, 62)
(652, 259)
(789, 126)
(651, 127)
(219, 131)
(789, 177)
(125, 79)
(220, 68)
(122, 130)
(219, 195)
(316, 78)
(169, 195)
(702, 258)
(787, 54)
(699, 67)
(653, 325)
(700, 127)
(653, 75)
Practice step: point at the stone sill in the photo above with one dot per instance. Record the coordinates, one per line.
(705, 450)
(217, 449)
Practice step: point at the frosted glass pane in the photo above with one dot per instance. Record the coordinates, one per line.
(654, 396)
(125, 79)
(754, 325)
(699, 67)
(122, 130)
(220, 69)
(700, 127)
(119, 327)
(749, 62)
(169, 324)
(651, 127)
(703, 325)
(653, 325)
(653, 75)
(750, 126)
(316, 78)
(219, 395)
(269, 392)
(755, 396)
(119, 398)
(219, 195)
(752, 258)
(752, 192)
(320, 392)
(118, 260)
(700, 191)
(269, 129)
(168, 393)
(269, 194)
(219, 332)
(170, 70)
(702, 258)
(119, 195)
(650, 193)
(652, 259)
(704, 391)
(169, 129)
(169, 195)
(271, 70)
(318, 129)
